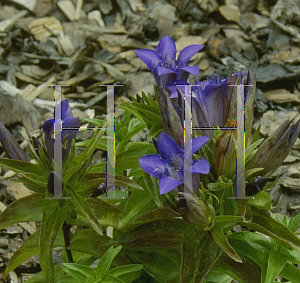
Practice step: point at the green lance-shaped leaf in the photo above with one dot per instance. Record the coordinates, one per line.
(20, 166)
(273, 265)
(265, 224)
(54, 215)
(262, 200)
(109, 278)
(105, 262)
(158, 263)
(155, 214)
(106, 213)
(290, 272)
(95, 179)
(26, 209)
(152, 188)
(127, 273)
(161, 233)
(88, 241)
(244, 272)
(29, 248)
(82, 206)
(78, 271)
(138, 203)
(70, 173)
(34, 182)
(225, 222)
(199, 253)
(87, 153)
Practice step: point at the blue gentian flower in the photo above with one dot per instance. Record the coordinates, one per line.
(10, 145)
(213, 101)
(168, 165)
(163, 64)
(68, 121)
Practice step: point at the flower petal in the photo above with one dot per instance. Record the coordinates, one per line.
(200, 167)
(149, 57)
(162, 71)
(167, 184)
(66, 111)
(166, 146)
(154, 165)
(198, 143)
(194, 70)
(188, 52)
(166, 50)
(72, 122)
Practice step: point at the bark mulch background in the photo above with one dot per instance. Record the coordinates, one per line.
(85, 43)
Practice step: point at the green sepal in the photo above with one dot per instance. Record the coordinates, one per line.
(222, 183)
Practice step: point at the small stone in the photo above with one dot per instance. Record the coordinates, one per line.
(254, 21)
(291, 183)
(270, 73)
(281, 96)
(188, 40)
(13, 229)
(230, 13)
(4, 243)
(96, 16)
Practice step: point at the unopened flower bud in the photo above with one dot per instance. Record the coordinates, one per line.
(272, 151)
(10, 145)
(225, 152)
(195, 211)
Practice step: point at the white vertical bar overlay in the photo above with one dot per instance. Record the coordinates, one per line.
(58, 186)
(57, 143)
(188, 182)
(110, 165)
(240, 142)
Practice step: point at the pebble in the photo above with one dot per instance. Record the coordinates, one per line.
(230, 13)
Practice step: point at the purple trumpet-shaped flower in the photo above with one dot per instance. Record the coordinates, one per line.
(168, 165)
(10, 145)
(165, 68)
(163, 64)
(68, 121)
(215, 102)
